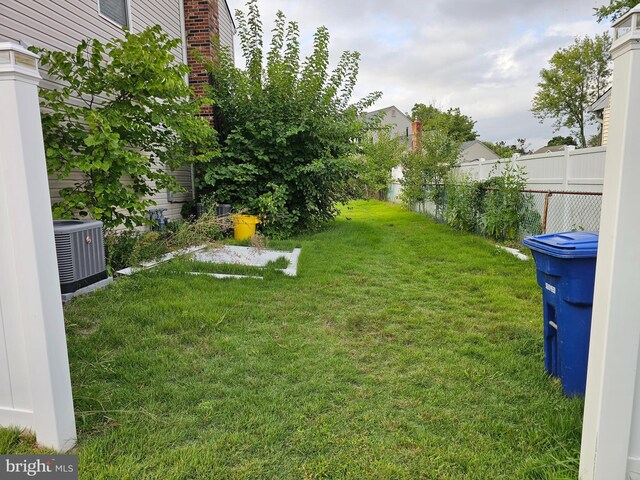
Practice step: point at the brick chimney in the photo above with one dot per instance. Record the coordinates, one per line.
(416, 136)
(202, 23)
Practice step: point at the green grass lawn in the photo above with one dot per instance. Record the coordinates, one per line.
(403, 350)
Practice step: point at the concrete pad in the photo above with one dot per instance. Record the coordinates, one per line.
(226, 275)
(250, 256)
(514, 252)
(169, 256)
(88, 289)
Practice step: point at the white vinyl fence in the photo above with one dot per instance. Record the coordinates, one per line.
(572, 170)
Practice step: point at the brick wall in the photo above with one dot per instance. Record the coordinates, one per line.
(202, 22)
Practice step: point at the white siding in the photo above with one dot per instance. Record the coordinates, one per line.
(477, 150)
(62, 24)
(227, 29)
(606, 115)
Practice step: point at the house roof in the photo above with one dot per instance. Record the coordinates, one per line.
(387, 109)
(555, 148)
(490, 154)
(602, 102)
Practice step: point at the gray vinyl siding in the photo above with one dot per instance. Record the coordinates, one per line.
(227, 29)
(62, 24)
(477, 150)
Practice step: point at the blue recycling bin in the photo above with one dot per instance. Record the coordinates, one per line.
(566, 267)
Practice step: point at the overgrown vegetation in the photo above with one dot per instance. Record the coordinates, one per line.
(122, 118)
(286, 128)
(380, 152)
(427, 166)
(496, 207)
(129, 248)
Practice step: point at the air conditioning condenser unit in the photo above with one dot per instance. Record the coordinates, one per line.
(81, 258)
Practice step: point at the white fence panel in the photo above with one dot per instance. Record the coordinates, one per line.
(572, 170)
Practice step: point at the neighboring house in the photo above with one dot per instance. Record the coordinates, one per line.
(602, 110)
(62, 24)
(401, 126)
(553, 149)
(475, 150)
(393, 117)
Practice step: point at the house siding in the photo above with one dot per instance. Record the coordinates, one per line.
(477, 150)
(606, 115)
(62, 24)
(393, 117)
(227, 28)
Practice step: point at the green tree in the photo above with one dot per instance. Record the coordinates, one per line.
(576, 77)
(559, 141)
(288, 134)
(503, 150)
(381, 151)
(456, 125)
(424, 170)
(131, 122)
(615, 9)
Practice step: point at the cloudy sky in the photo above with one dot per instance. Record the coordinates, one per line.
(483, 56)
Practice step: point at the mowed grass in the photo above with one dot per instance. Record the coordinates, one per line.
(403, 350)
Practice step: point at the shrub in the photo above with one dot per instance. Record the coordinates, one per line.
(381, 151)
(464, 203)
(496, 207)
(505, 207)
(286, 128)
(134, 120)
(427, 167)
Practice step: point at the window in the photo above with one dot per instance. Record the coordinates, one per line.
(115, 10)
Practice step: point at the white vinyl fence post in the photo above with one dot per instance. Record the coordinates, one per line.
(567, 223)
(35, 386)
(611, 427)
(568, 150)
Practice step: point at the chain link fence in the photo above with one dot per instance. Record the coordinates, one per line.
(564, 211)
(547, 211)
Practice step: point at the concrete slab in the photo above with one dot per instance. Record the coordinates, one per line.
(88, 289)
(516, 253)
(169, 256)
(250, 256)
(247, 256)
(226, 275)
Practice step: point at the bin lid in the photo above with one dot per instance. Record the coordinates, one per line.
(565, 245)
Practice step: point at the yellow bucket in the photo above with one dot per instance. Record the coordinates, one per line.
(244, 226)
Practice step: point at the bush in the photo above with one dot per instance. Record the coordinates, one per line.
(496, 207)
(505, 208)
(464, 203)
(119, 247)
(286, 128)
(428, 166)
(136, 118)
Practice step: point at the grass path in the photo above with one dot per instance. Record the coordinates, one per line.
(404, 350)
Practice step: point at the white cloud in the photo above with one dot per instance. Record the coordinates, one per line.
(483, 56)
